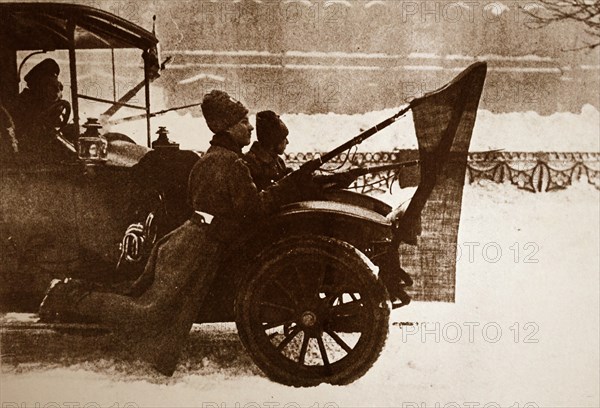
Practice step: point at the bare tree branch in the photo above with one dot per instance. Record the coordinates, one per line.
(587, 12)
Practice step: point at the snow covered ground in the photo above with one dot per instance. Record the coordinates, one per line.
(524, 331)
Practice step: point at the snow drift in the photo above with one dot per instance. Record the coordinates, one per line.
(515, 131)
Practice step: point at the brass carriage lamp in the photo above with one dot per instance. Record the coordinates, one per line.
(92, 147)
(162, 141)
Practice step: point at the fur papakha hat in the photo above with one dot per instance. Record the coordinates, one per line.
(221, 111)
(270, 129)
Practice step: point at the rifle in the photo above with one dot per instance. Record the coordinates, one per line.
(312, 165)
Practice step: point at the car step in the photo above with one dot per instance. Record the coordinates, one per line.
(11, 322)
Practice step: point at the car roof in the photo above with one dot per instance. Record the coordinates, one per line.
(45, 26)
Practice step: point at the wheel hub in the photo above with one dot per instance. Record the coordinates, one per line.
(308, 319)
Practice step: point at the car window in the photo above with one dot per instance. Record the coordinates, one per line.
(99, 88)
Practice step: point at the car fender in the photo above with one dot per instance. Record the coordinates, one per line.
(351, 223)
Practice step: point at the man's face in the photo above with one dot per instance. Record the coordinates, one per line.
(280, 148)
(241, 132)
(48, 89)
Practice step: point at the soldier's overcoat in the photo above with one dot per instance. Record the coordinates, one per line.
(266, 167)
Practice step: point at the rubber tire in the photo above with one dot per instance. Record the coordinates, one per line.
(363, 271)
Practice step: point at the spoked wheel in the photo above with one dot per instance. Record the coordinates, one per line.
(313, 311)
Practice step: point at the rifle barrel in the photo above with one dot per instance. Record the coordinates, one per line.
(313, 165)
(383, 167)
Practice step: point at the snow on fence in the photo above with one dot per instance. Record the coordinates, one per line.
(532, 171)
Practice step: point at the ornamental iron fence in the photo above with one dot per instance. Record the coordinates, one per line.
(531, 171)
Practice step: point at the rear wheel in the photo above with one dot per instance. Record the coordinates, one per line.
(313, 311)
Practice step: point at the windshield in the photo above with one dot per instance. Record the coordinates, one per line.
(109, 84)
(93, 65)
(107, 76)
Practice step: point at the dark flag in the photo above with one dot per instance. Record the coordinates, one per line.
(444, 122)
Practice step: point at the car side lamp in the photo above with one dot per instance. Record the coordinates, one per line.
(92, 147)
(162, 141)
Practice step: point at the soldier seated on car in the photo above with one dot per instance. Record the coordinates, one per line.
(155, 317)
(263, 159)
(39, 109)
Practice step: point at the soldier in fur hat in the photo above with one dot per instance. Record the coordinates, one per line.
(263, 159)
(154, 319)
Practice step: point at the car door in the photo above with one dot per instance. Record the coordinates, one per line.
(103, 210)
(39, 237)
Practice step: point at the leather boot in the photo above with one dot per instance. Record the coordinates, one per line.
(60, 302)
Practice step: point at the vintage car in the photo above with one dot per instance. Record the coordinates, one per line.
(309, 289)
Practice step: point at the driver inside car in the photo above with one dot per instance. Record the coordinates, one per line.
(154, 318)
(39, 109)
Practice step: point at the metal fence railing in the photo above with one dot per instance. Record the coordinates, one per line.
(532, 171)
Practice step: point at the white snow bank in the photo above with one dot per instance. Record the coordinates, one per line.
(516, 131)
